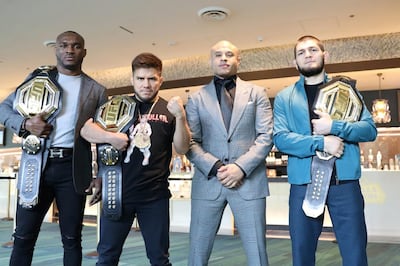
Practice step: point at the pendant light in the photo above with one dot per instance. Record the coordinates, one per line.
(380, 107)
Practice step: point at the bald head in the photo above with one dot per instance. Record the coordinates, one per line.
(225, 59)
(225, 44)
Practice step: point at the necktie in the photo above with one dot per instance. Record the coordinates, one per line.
(226, 102)
(225, 89)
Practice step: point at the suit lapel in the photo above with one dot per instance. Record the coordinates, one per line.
(213, 107)
(84, 92)
(241, 100)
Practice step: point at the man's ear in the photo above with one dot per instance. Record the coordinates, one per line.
(326, 56)
(295, 64)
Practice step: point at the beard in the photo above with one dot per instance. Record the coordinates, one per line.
(72, 66)
(313, 70)
(145, 100)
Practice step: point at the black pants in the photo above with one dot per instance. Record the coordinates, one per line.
(153, 218)
(56, 183)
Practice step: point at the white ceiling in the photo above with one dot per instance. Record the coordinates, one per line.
(116, 31)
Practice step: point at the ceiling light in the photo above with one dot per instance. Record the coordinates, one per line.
(49, 44)
(380, 107)
(126, 29)
(213, 13)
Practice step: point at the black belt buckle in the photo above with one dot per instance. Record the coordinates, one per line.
(59, 153)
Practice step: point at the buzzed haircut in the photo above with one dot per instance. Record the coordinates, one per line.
(308, 37)
(68, 32)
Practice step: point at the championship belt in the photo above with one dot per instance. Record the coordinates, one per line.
(38, 95)
(116, 115)
(341, 101)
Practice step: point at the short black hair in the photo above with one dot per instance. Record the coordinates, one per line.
(68, 32)
(308, 37)
(146, 60)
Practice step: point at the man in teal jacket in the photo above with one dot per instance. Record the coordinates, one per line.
(300, 132)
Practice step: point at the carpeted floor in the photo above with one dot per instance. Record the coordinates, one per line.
(227, 249)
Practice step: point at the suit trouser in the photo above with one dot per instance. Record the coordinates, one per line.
(249, 218)
(56, 182)
(345, 204)
(153, 218)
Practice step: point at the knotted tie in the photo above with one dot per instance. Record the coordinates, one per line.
(226, 100)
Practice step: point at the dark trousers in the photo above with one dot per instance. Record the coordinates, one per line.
(153, 220)
(346, 208)
(56, 183)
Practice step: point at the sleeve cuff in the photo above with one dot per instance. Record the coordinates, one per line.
(244, 173)
(214, 169)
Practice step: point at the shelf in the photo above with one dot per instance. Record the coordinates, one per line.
(278, 179)
(276, 165)
(7, 176)
(180, 176)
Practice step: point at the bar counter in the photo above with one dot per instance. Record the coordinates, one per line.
(381, 191)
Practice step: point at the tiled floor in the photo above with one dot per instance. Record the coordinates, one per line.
(227, 249)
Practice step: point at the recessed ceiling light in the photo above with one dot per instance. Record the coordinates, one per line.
(213, 13)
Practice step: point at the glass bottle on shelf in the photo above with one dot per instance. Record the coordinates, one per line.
(177, 164)
(362, 158)
(370, 158)
(379, 160)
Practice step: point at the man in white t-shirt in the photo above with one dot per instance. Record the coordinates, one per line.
(66, 158)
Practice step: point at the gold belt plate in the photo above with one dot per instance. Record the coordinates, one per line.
(340, 101)
(38, 95)
(116, 113)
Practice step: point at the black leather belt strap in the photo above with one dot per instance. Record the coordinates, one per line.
(111, 175)
(335, 182)
(115, 115)
(59, 153)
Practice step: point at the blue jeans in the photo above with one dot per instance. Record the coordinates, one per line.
(345, 204)
(56, 183)
(153, 218)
